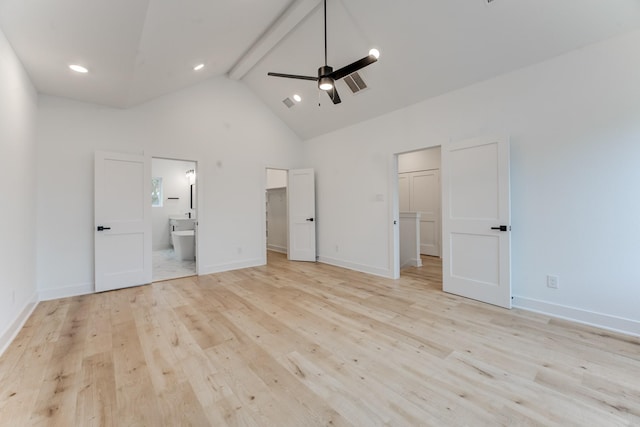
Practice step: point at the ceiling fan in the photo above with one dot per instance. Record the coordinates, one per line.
(326, 75)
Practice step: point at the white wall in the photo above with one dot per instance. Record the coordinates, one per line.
(18, 108)
(420, 160)
(574, 123)
(276, 178)
(218, 123)
(175, 184)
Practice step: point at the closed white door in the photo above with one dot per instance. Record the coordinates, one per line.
(122, 221)
(302, 215)
(477, 220)
(425, 198)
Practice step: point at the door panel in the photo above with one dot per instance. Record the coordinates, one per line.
(123, 209)
(302, 215)
(477, 258)
(472, 258)
(474, 183)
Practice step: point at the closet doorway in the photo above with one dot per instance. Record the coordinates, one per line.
(276, 200)
(174, 218)
(419, 206)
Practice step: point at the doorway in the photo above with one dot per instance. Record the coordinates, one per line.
(419, 207)
(174, 218)
(475, 220)
(276, 208)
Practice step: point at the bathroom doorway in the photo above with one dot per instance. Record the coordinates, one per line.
(174, 218)
(276, 200)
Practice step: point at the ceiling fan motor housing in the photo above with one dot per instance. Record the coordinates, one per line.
(325, 70)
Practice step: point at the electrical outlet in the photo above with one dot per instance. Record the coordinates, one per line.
(239, 249)
(553, 282)
(337, 248)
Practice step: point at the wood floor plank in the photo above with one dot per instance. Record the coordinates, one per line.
(56, 399)
(307, 344)
(96, 399)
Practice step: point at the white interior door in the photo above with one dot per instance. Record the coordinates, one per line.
(476, 220)
(302, 215)
(122, 221)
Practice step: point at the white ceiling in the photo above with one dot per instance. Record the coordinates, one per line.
(137, 50)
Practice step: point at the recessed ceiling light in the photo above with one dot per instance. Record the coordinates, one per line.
(375, 53)
(198, 67)
(78, 68)
(297, 98)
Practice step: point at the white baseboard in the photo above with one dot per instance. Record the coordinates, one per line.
(276, 248)
(591, 318)
(12, 331)
(219, 268)
(67, 291)
(357, 267)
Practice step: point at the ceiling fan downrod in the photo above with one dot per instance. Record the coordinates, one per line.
(325, 33)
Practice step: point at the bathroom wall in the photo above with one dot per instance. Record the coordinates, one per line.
(206, 123)
(18, 112)
(175, 184)
(574, 125)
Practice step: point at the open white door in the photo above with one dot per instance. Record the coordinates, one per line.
(476, 260)
(122, 221)
(302, 215)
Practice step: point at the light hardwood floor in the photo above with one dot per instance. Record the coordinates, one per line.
(301, 344)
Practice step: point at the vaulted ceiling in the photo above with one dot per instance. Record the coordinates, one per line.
(137, 50)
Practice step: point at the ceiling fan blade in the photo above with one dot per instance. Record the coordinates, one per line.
(333, 94)
(352, 68)
(293, 76)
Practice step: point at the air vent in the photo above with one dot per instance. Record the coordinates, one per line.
(288, 102)
(355, 82)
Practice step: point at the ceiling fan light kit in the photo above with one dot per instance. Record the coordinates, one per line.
(326, 75)
(325, 83)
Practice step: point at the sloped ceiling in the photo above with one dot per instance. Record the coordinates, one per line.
(137, 50)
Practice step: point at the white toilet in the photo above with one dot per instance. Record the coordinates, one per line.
(184, 243)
